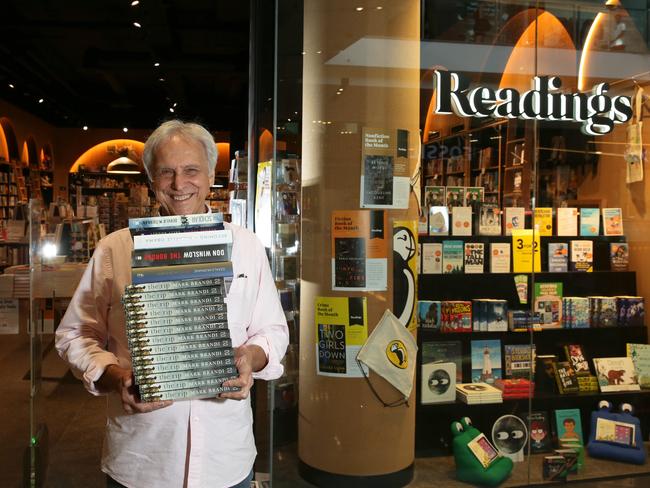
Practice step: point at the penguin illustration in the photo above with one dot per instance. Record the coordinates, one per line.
(403, 279)
(397, 350)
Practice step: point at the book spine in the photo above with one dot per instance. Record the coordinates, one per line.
(138, 314)
(185, 384)
(173, 221)
(178, 367)
(181, 272)
(190, 374)
(158, 340)
(185, 255)
(159, 241)
(181, 320)
(182, 357)
(204, 392)
(175, 329)
(134, 305)
(168, 290)
(175, 230)
(142, 351)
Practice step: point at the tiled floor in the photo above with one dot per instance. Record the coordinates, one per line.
(75, 423)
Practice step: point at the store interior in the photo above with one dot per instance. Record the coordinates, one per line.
(287, 88)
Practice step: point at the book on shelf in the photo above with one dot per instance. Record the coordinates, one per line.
(456, 316)
(565, 377)
(499, 257)
(515, 388)
(640, 355)
(461, 218)
(612, 221)
(603, 311)
(554, 468)
(452, 257)
(438, 221)
(474, 257)
(576, 358)
(631, 311)
(616, 374)
(543, 221)
(455, 196)
(432, 258)
(540, 437)
(576, 313)
(478, 393)
(514, 218)
(423, 221)
(619, 256)
(615, 432)
(567, 221)
(444, 352)
(429, 316)
(489, 220)
(519, 360)
(568, 426)
(438, 383)
(434, 196)
(589, 222)
(474, 196)
(582, 256)
(485, 157)
(548, 302)
(544, 372)
(558, 257)
(486, 360)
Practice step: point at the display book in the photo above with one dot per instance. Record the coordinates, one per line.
(175, 308)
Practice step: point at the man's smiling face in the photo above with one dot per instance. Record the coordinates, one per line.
(180, 177)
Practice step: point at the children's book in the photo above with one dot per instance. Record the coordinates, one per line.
(438, 383)
(612, 222)
(444, 352)
(548, 303)
(519, 360)
(640, 355)
(486, 360)
(568, 426)
(540, 437)
(576, 357)
(616, 374)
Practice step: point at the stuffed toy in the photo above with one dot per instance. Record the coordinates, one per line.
(477, 461)
(620, 441)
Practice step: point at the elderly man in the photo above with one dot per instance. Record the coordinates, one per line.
(194, 443)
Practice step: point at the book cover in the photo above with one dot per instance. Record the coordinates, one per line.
(519, 360)
(558, 257)
(619, 256)
(499, 257)
(461, 218)
(616, 374)
(554, 468)
(576, 357)
(544, 372)
(497, 315)
(589, 222)
(615, 431)
(378, 176)
(640, 355)
(567, 221)
(483, 450)
(565, 377)
(568, 426)
(181, 272)
(582, 256)
(474, 257)
(438, 383)
(183, 255)
(456, 316)
(543, 221)
(631, 311)
(612, 222)
(429, 314)
(423, 221)
(486, 360)
(455, 196)
(514, 218)
(164, 223)
(540, 437)
(474, 196)
(548, 302)
(438, 221)
(182, 239)
(432, 258)
(444, 352)
(452, 257)
(489, 220)
(434, 196)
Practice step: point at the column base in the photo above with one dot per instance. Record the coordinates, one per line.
(319, 477)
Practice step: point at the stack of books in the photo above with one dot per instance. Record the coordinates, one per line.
(176, 317)
(475, 393)
(515, 388)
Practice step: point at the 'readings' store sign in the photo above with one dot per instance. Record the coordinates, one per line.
(597, 111)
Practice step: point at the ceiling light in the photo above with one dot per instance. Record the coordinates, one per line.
(85, 127)
(171, 109)
(156, 64)
(125, 129)
(175, 103)
(319, 52)
(135, 3)
(137, 24)
(123, 165)
(11, 86)
(380, 7)
(304, 52)
(161, 79)
(40, 100)
(359, 9)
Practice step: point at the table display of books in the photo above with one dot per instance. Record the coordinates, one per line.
(176, 315)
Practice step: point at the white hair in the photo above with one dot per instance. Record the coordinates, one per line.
(188, 131)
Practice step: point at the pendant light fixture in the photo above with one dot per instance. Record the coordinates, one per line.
(123, 164)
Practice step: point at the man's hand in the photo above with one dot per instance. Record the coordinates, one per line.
(121, 381)
(247, 359)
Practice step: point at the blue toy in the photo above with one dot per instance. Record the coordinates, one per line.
(616, 451)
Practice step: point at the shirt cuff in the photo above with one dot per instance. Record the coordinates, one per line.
(99, 364)
(273, 368)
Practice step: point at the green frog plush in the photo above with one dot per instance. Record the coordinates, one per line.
(477, 461)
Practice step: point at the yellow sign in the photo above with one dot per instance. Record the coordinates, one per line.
(397, 354)
(525, 251)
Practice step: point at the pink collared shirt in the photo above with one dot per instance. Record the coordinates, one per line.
(193, 443)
